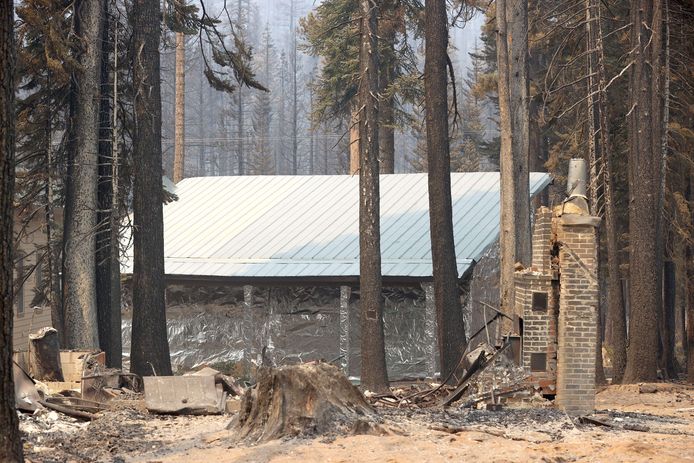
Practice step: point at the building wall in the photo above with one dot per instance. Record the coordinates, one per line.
(30, 311)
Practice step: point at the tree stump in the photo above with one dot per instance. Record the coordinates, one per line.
(300, 400)
(44, 355)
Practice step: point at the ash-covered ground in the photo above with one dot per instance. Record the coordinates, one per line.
(628, 426)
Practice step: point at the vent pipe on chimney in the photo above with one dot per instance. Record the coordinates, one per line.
(576, 187)
(576, 179)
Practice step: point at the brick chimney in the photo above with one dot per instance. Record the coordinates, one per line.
(578, 297)
(558, 296)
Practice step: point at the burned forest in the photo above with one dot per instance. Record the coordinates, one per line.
(346, 230)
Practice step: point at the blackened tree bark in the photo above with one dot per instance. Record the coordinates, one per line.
(645, 254)
(150, 346)
(517, 17)
(449, 315)
(374, 376)
(10, 439)
(107, 274)
(79, 290)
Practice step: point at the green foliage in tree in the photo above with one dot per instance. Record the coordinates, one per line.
(331, 32)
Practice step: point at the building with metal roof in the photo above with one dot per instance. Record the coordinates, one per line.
(307, 227)
(270, 264)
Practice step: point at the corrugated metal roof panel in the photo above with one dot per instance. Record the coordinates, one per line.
(308, 226)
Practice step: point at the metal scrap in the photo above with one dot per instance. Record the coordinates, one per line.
(229, 384)
(26, 395)
(184, 395)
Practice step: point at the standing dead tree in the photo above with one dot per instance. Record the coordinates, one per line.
(150, 347)
(107, 240)
(79, 280)
(514, 240)
(645, 176)
(373, 370)
(449, 315)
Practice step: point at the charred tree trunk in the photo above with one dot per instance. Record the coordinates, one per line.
(449, 315)
(180, 123)
(593, 164)
(645, 255)
(79, 290)
(517, 15)
(150, 346)
(508, 237)
(10, 439)
(374, 376)
(107, 274)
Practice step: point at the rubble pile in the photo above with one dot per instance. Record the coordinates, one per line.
(488, 375)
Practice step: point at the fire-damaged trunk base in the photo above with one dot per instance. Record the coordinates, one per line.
(302, 400)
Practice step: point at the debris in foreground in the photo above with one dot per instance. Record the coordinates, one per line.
(301, 400)
(44, 355)
(26, 395)
(184, 395)
(229, 384)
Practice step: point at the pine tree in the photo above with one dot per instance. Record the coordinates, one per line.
(79, 293)
(150, 346)
(449, 315)
(10, 438)
(45, 62)
(374, 375)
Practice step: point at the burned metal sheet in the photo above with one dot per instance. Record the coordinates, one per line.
(26, 395)
(183, 395)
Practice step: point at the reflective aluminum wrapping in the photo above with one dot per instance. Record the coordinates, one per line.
(208, 325)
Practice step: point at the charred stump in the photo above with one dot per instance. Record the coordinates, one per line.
(44, 355)
(300, 400)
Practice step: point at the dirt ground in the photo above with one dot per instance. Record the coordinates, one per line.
(656, 427)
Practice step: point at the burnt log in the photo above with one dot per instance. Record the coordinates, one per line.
(44, 355)
(300, 400)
